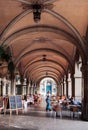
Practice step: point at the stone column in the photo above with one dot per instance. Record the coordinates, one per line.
(26, 84)
(32, 90)
(0, 88)
(58, 90)
(28, 90)
(31, 87)
(73, 85)
(13, 83)
(13, 86)
(22, 83)
(67, 86)
(78, 81)
(84, 70)
(9, 87)
(63, 86)
(61, 89)
(4, 86)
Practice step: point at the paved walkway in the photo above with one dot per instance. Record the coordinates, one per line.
(36, 118)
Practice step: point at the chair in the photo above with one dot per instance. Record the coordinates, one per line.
(57, 110)
(75, 111)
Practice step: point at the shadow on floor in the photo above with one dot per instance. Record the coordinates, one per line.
(14, 128)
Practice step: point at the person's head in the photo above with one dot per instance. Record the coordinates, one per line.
(48, 92)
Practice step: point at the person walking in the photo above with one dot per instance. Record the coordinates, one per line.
(48, 102)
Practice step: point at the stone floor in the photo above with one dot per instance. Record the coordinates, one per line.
(36, 118)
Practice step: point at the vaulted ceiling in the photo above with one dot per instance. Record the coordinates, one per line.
(44, 48)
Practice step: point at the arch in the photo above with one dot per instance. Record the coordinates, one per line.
(41, 76)
(55, 52)
(32, 43)
(58, 16)
(65, 56)
(43, 72)
(45, 28)
(51, 61)
(38, 79)
(44, 69)
(41, 28)
(62, 19)
(69, 25)
(13, 22)
(49, 66)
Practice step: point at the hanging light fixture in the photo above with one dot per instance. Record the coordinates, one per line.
(37, 12)
(37, 6)
(44, 58)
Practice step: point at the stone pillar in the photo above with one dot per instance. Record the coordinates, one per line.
(9, 87)
(32, 90)
(13, 86)
(22, 83)
(13, 83)
(67, 86)
(78, 81)
(28, 89)
(63, 86)
(0, 88)
(84, 70)
(22, 89)
(31, 87)
(61, 89)
(4, 86)
(58, 90)
(73, 85)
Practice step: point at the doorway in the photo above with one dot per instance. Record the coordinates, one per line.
(49, 88)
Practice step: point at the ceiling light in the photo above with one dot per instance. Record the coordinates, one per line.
(37, 11)
(44, 57)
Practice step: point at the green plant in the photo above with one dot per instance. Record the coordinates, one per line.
(5, 55)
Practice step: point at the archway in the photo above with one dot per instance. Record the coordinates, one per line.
(48, 84)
